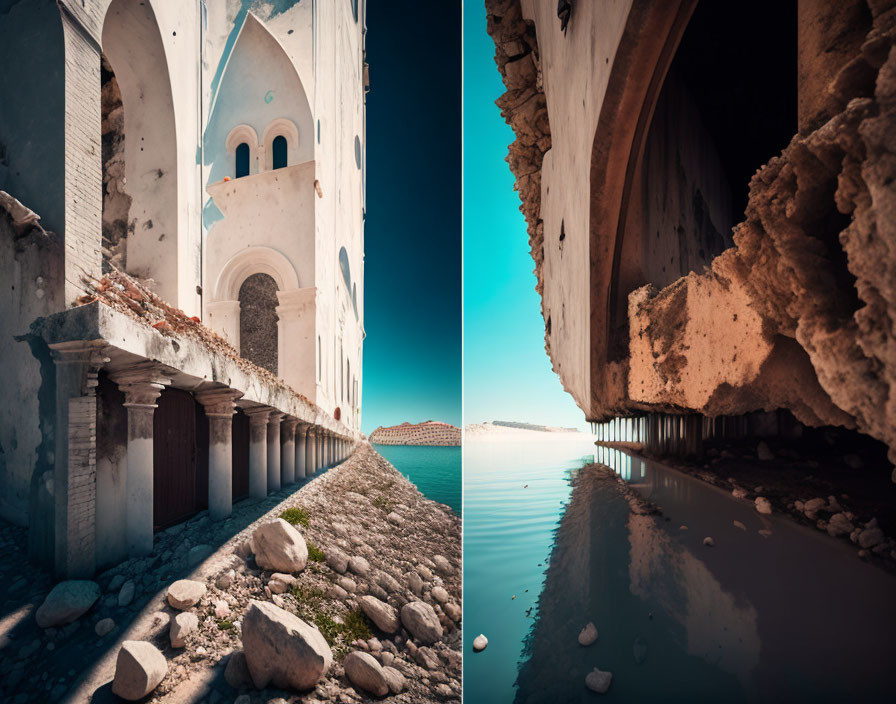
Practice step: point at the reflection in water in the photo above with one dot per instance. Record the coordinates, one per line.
(786, 616)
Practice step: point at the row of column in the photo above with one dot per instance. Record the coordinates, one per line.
(671, 434)
(274, 462)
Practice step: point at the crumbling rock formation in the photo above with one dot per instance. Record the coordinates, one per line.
(799, 314)
(524, 107)
(116, 201)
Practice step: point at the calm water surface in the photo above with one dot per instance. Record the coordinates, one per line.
(783, 615)
(436, 471)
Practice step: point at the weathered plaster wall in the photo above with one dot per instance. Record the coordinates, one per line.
(320, 45)
(572, 71)
(32, 287)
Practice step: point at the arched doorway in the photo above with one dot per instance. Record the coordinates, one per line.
(140, 197)
(258, 321)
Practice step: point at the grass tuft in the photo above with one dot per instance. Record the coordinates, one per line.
(225, 625)
(315, 554)
(296, 516)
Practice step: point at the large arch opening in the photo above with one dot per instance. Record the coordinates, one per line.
(258, 321)
(140, 201)
(716, 110)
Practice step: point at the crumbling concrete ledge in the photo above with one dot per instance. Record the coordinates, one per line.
(126, 341)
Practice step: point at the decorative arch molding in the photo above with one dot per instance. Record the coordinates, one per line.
(254, 260)
(280, 127)
(646, 49)
(237, 136)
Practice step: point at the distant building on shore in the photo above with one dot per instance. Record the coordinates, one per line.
(430, 432)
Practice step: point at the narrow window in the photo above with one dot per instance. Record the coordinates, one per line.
(278, 151)
(242, 160)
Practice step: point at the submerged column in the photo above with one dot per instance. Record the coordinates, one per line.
(219, 409)
(301, 435)
(288, 451)
(258, 451)
(142, 386)
(274, 451)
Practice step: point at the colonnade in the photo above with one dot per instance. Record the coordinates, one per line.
(282, 450)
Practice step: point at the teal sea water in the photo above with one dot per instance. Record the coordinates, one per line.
(762, 616)
(436, 471)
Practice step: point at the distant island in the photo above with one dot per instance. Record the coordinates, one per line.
(430, 432)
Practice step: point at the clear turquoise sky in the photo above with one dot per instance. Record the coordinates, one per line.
(507, 375)
(412, 258)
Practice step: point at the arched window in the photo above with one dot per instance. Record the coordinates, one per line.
(242, 160)
(258, 321)
(278, 152)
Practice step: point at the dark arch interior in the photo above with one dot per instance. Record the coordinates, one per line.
(242, 160)
(258, 321)
(278, 152)
(738, 61)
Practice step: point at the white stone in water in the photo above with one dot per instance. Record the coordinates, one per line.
(763, 505)
(598, 681)
(709, 542)
(139, 669)
(185, 593)
(738, 524)
(479, 643)
(588, 634)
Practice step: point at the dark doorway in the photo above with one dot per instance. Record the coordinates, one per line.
(258, 321)
(174, 459)
(240, 456)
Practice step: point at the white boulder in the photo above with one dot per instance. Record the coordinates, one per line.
(279, 547)
(183, 625)
(139, 669)
(281, 649)
(185, 593)
(365, 672)
(384, 616)
(479, 643)
(421, 621)
(67, 602)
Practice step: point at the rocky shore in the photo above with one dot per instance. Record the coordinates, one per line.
(346, 590)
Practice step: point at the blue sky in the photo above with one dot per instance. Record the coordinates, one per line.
(507, 374)
(412, 354)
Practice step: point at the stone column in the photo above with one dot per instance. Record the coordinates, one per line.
(142, 385)
(301, 452)
(319, 451)
(219, 410)
(310, 451)
(288, 451)
(74, 467)
(274, 451)
(258, 451)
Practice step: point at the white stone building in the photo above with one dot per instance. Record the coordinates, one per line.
(214, 152)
